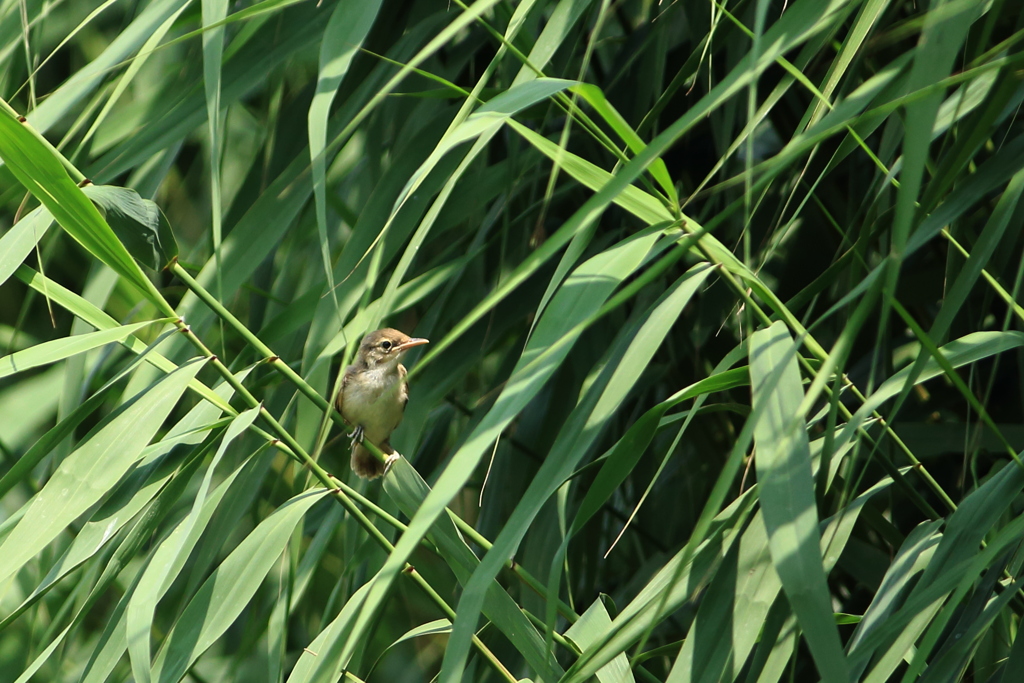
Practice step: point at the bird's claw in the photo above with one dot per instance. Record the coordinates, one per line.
(391, 460)
(356, 435)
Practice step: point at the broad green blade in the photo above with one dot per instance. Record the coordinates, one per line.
(786, 488)
(344, 35)
(170, 557)
(39, 170)
(583, 633)
(319, 661)
(59, 349)
(134, 493)
(607, 389)
(56, 106)
(101, 321)
(138, 223)
(228, 590)
(87, 475)
(743, 591)
(18, 242)
(113, 642)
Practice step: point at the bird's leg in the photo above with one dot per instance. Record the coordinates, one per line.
(356, 435)
(391, 460)
(393, 455)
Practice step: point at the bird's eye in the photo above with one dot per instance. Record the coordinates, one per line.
(386, 345)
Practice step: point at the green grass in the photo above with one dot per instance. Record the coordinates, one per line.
(725, 362)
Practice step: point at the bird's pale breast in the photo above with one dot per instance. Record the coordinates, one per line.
(375, 400)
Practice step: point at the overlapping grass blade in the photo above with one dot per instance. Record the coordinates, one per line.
(102, 321)
(113, 641)
(611, 382)
(59, 349)
(135, 492)
(344, 35)
(786, 491)
(583, 633)
(546, 260)
(408, 491)
(42, 174)
(225, 594)
(168, 559)
(18, 242)
(583, 294)
(93, 468)
(673, 584)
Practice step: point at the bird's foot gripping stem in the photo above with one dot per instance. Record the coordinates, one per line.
(356, 435)
(391, 460)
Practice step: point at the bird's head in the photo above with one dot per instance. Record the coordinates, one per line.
(386, 347)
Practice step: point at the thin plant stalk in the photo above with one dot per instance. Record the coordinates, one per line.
(313, 395)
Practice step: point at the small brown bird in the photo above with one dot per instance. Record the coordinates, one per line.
(373, 396)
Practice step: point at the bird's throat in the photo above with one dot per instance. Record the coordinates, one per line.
(378, 380)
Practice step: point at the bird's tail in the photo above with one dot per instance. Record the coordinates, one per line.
(365, 464)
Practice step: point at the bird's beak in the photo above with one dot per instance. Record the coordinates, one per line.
(408, 344)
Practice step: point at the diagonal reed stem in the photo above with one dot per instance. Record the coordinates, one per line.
(336, 492)
(322, 403)
(312, 394)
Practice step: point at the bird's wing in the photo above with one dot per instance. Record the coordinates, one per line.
(340, 399)
(404, 394)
